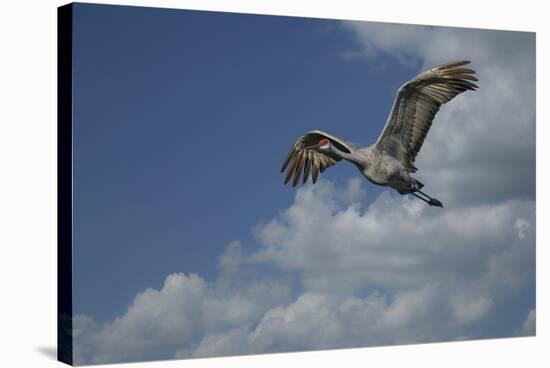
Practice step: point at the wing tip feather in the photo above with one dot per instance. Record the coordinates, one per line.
(453, 64)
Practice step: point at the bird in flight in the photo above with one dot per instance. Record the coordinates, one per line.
(390, 160)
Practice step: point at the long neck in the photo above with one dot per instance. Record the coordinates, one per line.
(351, 157)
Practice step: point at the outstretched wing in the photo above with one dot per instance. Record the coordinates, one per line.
(415, 106)
(304, 159)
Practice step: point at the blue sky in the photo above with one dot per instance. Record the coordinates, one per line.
(182, 120)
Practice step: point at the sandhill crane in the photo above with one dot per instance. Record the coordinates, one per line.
(390, 160)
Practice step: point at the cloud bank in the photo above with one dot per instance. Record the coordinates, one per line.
(344, 275)
(331, 272)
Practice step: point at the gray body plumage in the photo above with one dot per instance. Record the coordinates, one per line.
(380, 169)
(389, 161)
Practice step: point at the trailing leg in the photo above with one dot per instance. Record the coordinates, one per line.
(430, 200)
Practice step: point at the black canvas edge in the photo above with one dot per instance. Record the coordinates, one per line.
(64, 184)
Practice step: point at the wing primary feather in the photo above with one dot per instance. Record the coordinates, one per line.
(315, 173)
(469, 77)
(307, 166)
(291, 153)
(292, 168)
(459, 71)
(299, 168)
(453, 64)
(466, 84)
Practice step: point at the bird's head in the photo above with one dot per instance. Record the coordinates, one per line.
(324, 145)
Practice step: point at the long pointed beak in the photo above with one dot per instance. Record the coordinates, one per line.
(314, 146)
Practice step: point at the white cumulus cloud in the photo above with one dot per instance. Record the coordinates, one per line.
(345, 275)
(529, 325)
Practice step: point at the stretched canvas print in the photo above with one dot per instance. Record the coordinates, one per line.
(408, 154)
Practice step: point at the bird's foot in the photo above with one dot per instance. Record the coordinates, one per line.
(435, 202)
(426, 198)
